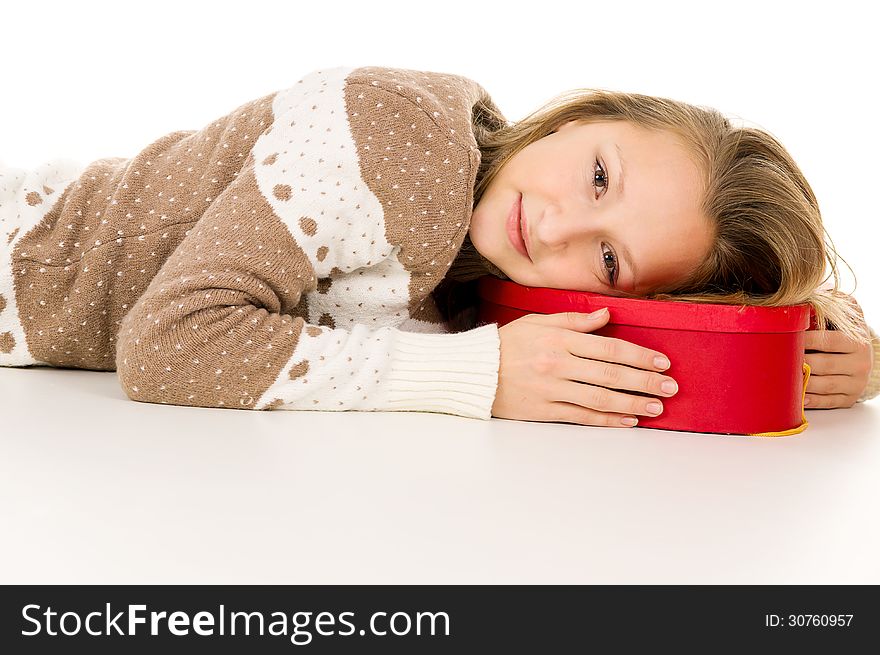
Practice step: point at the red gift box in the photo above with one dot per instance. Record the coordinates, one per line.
(739, 369)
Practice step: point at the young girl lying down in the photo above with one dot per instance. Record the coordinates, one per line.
(317, 249)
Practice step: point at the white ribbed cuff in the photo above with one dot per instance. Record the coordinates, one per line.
(872, 389)
(451, 373)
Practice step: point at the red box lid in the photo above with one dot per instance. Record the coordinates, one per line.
(672, 315)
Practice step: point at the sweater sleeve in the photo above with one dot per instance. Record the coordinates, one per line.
(221, 325)
(873, 387)
(291, 289)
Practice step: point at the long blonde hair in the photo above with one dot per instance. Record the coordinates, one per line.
(769, 248)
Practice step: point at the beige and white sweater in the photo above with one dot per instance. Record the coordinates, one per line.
(282, 257)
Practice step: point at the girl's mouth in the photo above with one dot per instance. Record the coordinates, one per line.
(515, 228)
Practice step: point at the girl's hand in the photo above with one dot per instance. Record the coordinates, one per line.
(551, 371)
(839, 368)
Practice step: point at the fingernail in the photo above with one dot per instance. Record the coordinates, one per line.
(655, 408)
(597, 313)
(669, 387)
(661, 362)
(806, 401)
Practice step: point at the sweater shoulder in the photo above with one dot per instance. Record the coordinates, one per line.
(445, 99)
(404, 141)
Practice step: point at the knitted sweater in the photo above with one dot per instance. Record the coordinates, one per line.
(282, 257)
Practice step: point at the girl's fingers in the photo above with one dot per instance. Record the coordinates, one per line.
(616, 376)
(569, 413)
(831, 384)
(828, 341)
(604, 400)
(828, 364)
(610, 349)
(831, 401)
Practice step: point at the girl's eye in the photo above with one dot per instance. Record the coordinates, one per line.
(603, 175)
(612, 271)
(599, 171)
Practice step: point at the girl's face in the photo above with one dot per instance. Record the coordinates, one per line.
(581, 226)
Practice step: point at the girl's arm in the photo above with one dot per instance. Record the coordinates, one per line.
(214, 339)
(217, 331)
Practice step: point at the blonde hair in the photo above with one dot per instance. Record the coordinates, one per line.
(769, 248)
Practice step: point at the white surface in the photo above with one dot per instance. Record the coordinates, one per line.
(96, 488)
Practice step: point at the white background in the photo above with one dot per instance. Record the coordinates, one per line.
(103, 79)
(111, 491)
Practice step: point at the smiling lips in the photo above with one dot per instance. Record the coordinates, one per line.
(517, 228)
(524, 227)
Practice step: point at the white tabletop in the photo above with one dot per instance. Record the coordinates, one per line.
(96, 488)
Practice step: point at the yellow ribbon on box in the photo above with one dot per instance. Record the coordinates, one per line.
(804, 424)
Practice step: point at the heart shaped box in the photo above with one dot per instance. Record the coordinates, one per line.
(739, 369)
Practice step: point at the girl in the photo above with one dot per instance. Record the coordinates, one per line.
(317, 248)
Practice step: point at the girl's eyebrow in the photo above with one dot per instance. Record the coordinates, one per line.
(620, 174)
(627, 255)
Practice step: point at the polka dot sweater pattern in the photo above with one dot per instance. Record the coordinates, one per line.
(282, 257)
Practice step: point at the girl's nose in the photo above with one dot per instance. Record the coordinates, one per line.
(558, 228)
